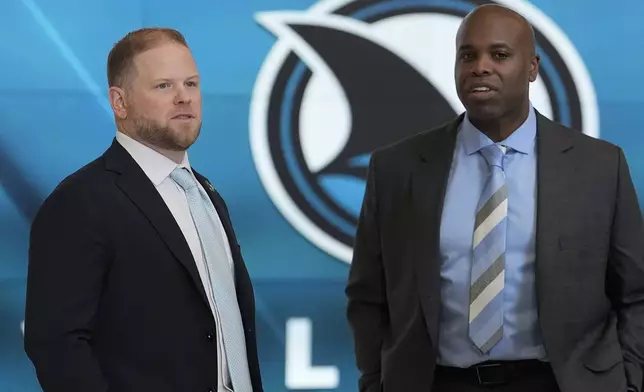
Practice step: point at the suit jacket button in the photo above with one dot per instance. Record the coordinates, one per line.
(209, 336)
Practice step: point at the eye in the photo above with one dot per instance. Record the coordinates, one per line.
(501, 55)
(467, 56)
(191, 84)
(163, 85)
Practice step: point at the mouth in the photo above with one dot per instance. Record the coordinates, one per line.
(481, 91)
(183, 117)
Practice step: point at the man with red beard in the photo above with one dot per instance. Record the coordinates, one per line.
(136, 281)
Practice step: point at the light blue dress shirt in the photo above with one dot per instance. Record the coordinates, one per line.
(521, 336)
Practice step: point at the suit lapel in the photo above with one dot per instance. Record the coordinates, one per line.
(136, 185)
(428, 184)
(555, 186)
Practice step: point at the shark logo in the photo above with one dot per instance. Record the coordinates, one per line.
(348, 76)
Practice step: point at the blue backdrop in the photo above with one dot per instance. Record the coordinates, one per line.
(54, 118)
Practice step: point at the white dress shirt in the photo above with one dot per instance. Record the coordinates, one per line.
(158, 168)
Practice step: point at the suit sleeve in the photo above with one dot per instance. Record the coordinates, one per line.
(626, 273)
(67, 264)
(367, 307)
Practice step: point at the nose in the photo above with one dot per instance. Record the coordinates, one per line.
(182, 96)
(482, 66)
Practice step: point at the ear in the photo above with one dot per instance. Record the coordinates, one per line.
(117, 102)
(534, 67)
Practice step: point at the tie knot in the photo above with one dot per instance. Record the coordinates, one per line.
(493, 155)
(182, 177)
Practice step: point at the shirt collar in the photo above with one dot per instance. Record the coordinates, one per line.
(154, 164)
(521, 140)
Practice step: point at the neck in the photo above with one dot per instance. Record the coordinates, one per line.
(175, 156)
(499, 129)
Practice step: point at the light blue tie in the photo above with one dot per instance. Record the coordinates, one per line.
(488, 257)
(221, 278)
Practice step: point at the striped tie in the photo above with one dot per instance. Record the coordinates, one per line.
(221, 277)
(488, 258)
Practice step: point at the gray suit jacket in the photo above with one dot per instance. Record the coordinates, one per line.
(590, 262)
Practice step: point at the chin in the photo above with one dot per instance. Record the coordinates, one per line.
(483, 112)
(186, 139)
(182, 144)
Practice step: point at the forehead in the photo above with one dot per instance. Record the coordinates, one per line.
(486, 30)
(166, 61)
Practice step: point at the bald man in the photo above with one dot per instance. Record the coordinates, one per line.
(502, 251)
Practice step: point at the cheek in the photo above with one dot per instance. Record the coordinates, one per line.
(156, 108)
(197, 102)
(515, 80)
(460, 73)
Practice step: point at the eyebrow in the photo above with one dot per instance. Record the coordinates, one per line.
(169, 80)
(493, 46)
(500, 46)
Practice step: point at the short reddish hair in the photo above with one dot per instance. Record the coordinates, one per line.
(121, 58)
